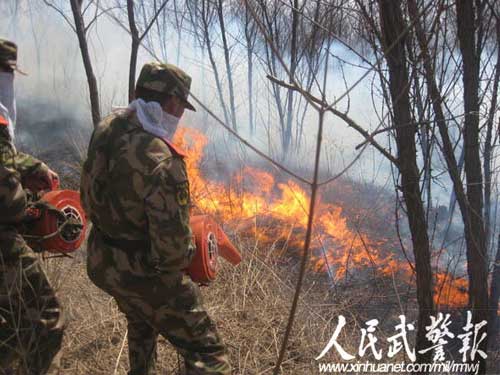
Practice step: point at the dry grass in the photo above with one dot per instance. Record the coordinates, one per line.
(249, 303)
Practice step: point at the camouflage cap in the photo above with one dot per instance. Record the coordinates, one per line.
(8, 53)
(167, 79)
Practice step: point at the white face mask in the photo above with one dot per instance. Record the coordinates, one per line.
(7, 99)
(171, 122)
(154, 120)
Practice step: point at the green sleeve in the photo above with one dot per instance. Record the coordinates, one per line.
(12, 196)
(27, 164)
(167, 211)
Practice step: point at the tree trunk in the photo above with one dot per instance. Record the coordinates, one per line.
(476, 255)
(495, 299)
(208, 44)
(270, 24)
(250, 40)
(488, 146)
(447, 146)
(134, 33)
(250, 90)
(287, 136)
(179, 49)
(228, 64)
(393, 30)
(76, 8)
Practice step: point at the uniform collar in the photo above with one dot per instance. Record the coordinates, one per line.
(175, 148)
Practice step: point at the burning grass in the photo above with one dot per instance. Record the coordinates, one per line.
(255, 203)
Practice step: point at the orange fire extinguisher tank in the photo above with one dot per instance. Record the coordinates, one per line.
(211, 241)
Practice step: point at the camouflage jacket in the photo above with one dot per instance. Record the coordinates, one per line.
(14, 166)
(12, 195)
(23, 163)
(134, 187)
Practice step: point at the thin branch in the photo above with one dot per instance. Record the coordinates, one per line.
(68, 21)
(310, 222)
(96, 17)
(87, 7)
(153, 20)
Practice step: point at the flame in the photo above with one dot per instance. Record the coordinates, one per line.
(450, 291)
(253, 201)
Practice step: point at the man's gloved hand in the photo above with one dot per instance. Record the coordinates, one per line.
(41, 179)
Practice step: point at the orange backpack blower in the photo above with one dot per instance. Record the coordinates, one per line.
(57, 224)
(211, 241)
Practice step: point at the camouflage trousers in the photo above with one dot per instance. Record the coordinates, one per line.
(31, 322)
(167, 305)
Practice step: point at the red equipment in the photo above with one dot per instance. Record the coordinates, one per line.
(56, 222)
(211, 241)
(53, 231)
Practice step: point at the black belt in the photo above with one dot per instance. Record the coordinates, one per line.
(121, 243)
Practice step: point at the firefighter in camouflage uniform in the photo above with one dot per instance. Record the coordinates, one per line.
(31, 324)
(135, 190)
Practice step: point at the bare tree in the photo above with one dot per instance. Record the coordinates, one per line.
(203, 15)
(134, 48)
(81, 28)
(487, 164)
(294, 59)
(227, 59)
(495, 297)
(394, 32)
(81, 32)
(469, 36)
(250, 32)
(434, 67)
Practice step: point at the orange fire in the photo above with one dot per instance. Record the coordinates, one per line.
(253, 201)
